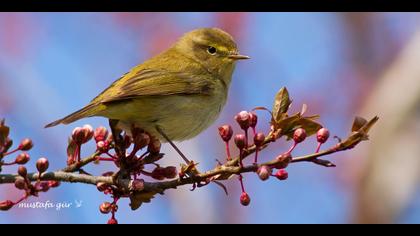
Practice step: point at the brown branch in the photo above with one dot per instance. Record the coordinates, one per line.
(76, 166)
(221, 172)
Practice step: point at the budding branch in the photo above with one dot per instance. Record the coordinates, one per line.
(230, 168)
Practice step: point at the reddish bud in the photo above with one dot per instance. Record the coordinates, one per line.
(25, 145)
(264, 172)
(101, 186)
(53, 183)
(6, 205)
(127, 141)
(154, 146)
(114, 207)
(240, 141)
(22, 158)
(137, 185)
(299, 135)
(105, 207)
(102, 146)
(77, 135)
(100, 134)
(81, 135)
(282, 174)
(22, 171)
(243, 119)
(88, 131)
(43, 186)
(322, 135)
(245, 199)
(259, 139)
(141, 140)
(253, 119)
(170, 172)
(7, 144)
(20, 183)
(158, 173)
(283, 161)
(42, 164)
(226, 132)
(112, 221)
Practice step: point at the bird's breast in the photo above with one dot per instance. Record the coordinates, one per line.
(181, 117)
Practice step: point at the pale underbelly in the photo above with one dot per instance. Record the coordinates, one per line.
(180, 117)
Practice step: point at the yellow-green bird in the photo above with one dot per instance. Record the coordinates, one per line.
(179, 92)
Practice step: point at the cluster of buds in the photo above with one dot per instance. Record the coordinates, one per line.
(110, 208)
(22, 158)
(6, 144)
(247, 120)
(30, 189)
(103, 139)
(79, 136)
(132, 162)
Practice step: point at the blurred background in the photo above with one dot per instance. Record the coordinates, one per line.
(340, 64)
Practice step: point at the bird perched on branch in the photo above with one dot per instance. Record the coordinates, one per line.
(175, 95)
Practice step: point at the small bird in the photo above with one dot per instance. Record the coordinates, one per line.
(175, 95)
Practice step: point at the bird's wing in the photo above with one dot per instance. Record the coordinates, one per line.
(149, 82)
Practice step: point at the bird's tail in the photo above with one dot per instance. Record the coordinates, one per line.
(86, 111)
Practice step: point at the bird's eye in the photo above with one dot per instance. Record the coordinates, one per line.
(211, 50)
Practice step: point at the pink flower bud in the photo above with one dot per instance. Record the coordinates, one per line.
(7, 144)
(322, 135)
(282, 174)
(245, 199)
(22, 158)
(299, 135)
(88, 133)
(264, 172)
(141, 140)
(170, 172)
(100, 134)
(81, 135)
(101, 186)
(253, 119)
(77, 135)
(158, 173)
(137, 185)
(102, 146)
(114, 207)
(240, 141)
(105, 207)
(6, 205)
(154, 146)
(226, 132)
(42, 164)
(22, 171)
(53, 183)
(43, 186)
(127, 141)
(25, 145)
(259, 139)
(112, 221)
(283, 161)
(243, 119)
(20, 183)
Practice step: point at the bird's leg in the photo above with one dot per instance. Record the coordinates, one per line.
(160, 131)
(118, 138)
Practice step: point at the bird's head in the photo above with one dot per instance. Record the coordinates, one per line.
(213, 48)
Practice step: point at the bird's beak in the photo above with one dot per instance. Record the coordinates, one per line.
(238, 57)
